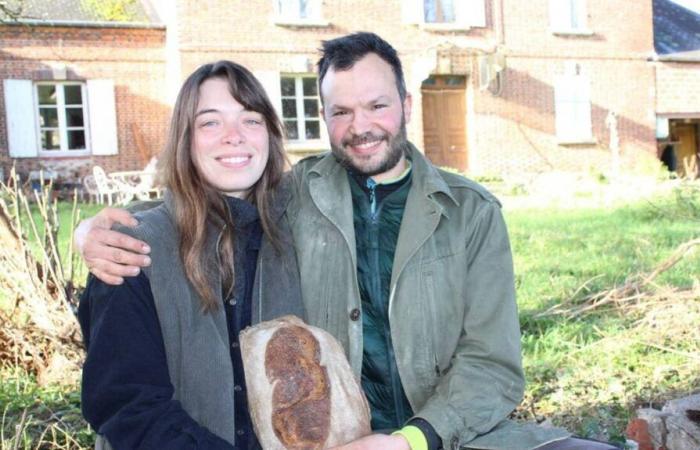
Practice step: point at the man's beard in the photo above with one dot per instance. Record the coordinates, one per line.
(397, 146)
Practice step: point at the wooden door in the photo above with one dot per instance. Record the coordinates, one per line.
(687, 150)
(444, 121)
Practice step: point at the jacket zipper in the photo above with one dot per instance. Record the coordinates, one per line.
(372, 186)
(396, 386)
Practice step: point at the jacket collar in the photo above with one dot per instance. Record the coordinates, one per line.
(426, 178)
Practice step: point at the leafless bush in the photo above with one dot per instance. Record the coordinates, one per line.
(38, 331)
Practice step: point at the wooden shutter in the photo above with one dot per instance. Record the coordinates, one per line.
(270, 79)
(412, 11)
(103, 117)
(470, 13)
(560, 15)
(20, 110)
(572, 97)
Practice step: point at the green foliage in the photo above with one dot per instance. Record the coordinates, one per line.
(40, 417)
(111, 10)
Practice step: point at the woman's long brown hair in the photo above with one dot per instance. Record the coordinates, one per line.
(198, 204)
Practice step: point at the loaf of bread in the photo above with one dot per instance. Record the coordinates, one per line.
(302, 393)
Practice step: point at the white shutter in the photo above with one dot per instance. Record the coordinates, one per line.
(563, 107)
(22, 133)
(470, 13)
(581, 14)
(270, 79)
(103, 117)
(412, 11)
(583, 107)
(313, 10)
(560, 15)
(572, 98)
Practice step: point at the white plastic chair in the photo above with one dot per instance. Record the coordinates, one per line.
(106, 187)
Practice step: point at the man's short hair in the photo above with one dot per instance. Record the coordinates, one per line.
(342, 53)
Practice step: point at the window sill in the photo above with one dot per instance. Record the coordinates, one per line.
(572, 142)
(572, 32)
(430, 26)
(303, 23)
(72, 154)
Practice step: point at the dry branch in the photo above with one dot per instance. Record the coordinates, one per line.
(634, 290)
(40, 334)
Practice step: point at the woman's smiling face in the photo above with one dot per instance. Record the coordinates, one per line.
(230, 144)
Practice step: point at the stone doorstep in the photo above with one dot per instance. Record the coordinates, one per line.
(668, 429)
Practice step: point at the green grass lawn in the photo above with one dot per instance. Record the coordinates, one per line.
(591, 373)
(588, 373)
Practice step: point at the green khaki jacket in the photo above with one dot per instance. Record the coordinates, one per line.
(452, 310)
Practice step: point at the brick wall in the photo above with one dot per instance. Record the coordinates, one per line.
(678, 88)
(509, 132)
(132, 58)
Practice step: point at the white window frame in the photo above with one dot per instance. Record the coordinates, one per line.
(283, 16)
(569, 17)
(302, 141)
(468, 14)
(62, 121)
(572, 108)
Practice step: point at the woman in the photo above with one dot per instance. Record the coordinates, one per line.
(163, 366)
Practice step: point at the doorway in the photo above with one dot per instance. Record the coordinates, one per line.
(687, 150)
(445, 121)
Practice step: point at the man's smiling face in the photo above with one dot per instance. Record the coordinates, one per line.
(366, 118)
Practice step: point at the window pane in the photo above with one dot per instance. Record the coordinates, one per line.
(455, 81)
(291, 126)
(312, 129)
(47, 94)
(304, 9)
(310, 86)
(73, 95)
(288, 8)
(50, 140)
(74, 117)
(287, 85)
(76, 140)
(311, 108)
(48, 117)
(289, 108)
(439, 11)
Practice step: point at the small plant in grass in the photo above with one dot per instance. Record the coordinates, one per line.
(40, 417)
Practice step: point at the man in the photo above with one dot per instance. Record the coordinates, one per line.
(409, 267)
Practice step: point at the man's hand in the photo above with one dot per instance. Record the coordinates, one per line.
(377, 442)
(108, 254)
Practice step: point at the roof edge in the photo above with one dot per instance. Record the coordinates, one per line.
(85, 24)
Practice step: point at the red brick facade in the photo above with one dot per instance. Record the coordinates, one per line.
(509, 129)
(133, 58)
(509, 132)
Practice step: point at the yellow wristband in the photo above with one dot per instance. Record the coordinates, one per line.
(415, 437)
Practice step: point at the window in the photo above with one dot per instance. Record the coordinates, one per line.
(445, 14)
(572, 97)
(299, 12)
(300, 107)
(54, 118)
(61, 118)
(438, 11)
(568, 16)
